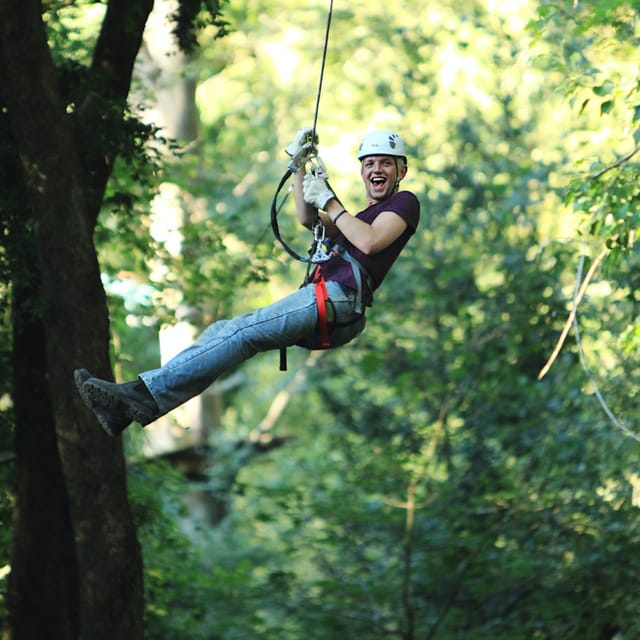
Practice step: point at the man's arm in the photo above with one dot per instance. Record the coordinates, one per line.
(369, 238)
(305, 212)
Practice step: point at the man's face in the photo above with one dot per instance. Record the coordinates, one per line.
(380, 175)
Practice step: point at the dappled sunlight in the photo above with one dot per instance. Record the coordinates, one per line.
(167, 215)
(284, 53)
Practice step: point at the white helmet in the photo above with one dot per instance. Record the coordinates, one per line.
(382, 143)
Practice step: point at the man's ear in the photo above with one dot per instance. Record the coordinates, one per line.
(402, 171)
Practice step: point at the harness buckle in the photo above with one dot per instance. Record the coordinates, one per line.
(319, 236)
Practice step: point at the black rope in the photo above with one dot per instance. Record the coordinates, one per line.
(274, 218)
(322, 66)
(287, 175)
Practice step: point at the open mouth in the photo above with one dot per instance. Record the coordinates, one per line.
(378, 182)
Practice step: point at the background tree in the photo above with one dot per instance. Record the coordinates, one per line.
(76, 566)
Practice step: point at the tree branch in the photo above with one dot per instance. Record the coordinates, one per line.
(576, 301)
(118, 45)
(615, 165)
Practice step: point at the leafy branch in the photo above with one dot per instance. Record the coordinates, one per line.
(618, 163)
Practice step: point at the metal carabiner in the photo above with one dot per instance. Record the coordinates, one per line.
(319, 235)
(316, 166)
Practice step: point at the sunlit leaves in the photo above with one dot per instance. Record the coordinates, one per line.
(601, 76)
(193, 16)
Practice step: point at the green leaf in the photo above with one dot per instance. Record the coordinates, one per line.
(603, 89)
(606, 107)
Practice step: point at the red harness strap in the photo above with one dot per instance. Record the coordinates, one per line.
(321, 298)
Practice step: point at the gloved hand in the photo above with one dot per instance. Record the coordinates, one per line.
(301, 148)
(316, 191)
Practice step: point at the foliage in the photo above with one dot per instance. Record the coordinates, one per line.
(191, 16)
(429, 486)
(593, 46)
(594, 41)
(177, 585)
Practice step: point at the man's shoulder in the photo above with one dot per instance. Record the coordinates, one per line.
(407, 196)
(404, 203)
(401, 200)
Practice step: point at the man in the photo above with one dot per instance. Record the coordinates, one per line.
(365, 247)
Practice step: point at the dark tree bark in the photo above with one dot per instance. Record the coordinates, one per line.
(76, 564)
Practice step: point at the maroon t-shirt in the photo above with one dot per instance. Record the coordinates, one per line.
(406, 205)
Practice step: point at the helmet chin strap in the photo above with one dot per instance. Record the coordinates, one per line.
(398, 162)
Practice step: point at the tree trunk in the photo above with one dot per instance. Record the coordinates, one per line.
(42, 557)
(76, 564)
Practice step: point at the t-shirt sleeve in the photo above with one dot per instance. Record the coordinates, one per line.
(407, 206)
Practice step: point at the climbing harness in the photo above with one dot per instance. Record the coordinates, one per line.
(326, 315)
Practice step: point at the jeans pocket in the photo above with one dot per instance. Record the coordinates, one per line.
(343, 302)
(341, 333)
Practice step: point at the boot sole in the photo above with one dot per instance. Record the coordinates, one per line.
(104, 397)
(112, 427)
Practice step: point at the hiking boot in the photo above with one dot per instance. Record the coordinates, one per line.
(131, 398)
(112, 420)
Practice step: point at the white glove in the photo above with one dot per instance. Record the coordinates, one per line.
(301, 148)
(316, 191)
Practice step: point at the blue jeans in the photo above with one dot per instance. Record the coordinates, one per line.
(227, 343)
